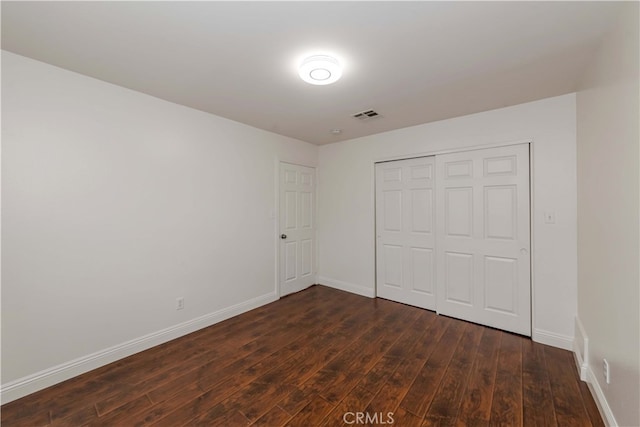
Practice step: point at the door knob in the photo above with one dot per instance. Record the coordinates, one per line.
(523, 251)
(283, 236)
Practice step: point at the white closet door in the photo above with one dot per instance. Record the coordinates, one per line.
(297, 227)
(483, 237)
(405, 234)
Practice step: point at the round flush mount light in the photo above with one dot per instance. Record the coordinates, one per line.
(320, 70)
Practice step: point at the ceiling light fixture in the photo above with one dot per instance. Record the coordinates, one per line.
(320, 70)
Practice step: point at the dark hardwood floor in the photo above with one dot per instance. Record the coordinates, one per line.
(318, 358)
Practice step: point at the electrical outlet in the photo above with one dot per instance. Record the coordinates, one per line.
(605, 371)
(179, 303)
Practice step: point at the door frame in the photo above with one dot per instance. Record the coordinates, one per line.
(531, 144)
(275, 215)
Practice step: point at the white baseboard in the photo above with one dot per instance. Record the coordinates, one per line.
(581, 366)
(581, 353)
(601, 400)
(553, 339)
(348, 287)
(581, 349)
(48, 377)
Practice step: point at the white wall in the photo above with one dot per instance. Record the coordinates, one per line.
(346, 200)
(116, 203)
(608, 214)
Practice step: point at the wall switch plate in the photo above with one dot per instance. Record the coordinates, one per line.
(179, 303)
(549, 217)
(606, 371)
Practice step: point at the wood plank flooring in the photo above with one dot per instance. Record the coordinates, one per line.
(320, 357)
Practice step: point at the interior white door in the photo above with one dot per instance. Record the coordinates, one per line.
(297, 227)
(405, 231)
(483, 237)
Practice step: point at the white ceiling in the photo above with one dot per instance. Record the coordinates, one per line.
(413, 62)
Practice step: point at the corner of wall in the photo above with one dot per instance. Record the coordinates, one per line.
(581, 354)
(581, 349)
(348, 287)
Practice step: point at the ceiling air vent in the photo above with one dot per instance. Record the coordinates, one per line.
(366, 115)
